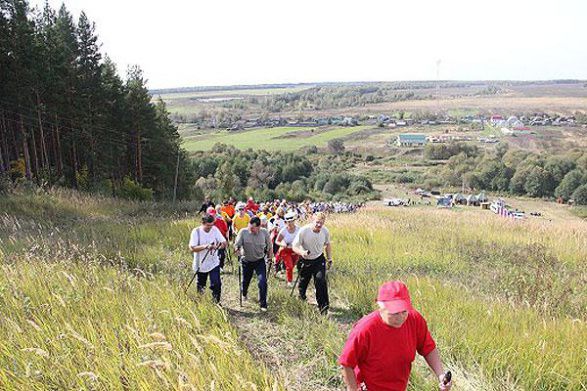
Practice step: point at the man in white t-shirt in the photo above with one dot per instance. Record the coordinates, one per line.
(310, 244)
(204, 243)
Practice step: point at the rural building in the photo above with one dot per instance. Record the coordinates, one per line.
(411, 140)
(495, 119)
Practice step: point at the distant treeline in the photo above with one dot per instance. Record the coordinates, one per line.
(67, 117)
(360, 94)
(398, 85)
(230, 88)
(227, 171)
(515, 171)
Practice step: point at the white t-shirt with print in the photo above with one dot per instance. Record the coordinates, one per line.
(212, 260)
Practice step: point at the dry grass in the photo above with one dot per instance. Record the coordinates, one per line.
(505, 300)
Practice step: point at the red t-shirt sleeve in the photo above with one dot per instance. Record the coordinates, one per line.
(425, 343)
(354, 350)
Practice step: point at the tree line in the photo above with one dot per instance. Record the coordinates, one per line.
(226, 171)
(68, 118)
(562, 176)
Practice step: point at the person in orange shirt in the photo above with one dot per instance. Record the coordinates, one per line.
(227, 211)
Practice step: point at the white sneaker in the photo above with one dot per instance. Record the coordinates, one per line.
(263, 309)
(289, 284)
(245, 298)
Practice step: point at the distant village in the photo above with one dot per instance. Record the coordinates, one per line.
(510, 126)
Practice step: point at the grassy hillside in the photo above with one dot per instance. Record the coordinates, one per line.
(91, 297)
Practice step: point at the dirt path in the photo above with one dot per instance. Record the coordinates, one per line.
(271, 340)
(276, 339)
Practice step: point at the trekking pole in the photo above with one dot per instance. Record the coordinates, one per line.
(240, 283)
(197, 270)
(228, 257)
(297, 279)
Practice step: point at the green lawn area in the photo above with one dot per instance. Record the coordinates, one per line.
(270, 139)
(220, 93)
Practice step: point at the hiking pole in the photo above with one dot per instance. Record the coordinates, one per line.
(197, 270)
(240, 283)
(297, 279)
(227, 256)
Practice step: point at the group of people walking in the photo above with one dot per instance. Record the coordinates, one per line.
(265, 237)
(381, 347)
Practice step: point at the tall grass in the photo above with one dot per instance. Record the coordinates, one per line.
(82, 326)
(506, 300)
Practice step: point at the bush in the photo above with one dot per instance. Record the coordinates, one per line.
(569, 184)
(5, 183)
(336, 145)
(131, 190)
(580, 195)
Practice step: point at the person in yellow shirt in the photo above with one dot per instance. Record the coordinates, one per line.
(241, 219)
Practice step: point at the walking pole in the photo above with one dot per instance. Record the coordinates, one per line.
(228, 257)
(293, 288)
(240, 283)
(197, 270)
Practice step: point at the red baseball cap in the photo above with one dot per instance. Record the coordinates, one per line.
(211, 210)
(395, 296)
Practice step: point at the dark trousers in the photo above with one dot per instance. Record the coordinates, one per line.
(222, 256)
(259, 268)
(215, 283)
(314, 268)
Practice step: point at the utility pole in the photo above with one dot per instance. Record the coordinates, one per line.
(176, 176)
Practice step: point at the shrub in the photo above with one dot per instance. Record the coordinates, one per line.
(569, 184)
(580, 195)
(5, 183)
(131, 190)
(336, 145)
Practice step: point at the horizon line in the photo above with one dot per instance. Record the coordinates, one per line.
(284, 84)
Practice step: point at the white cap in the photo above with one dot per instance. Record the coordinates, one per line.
(290, 216)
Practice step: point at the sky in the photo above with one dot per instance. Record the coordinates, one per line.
(222, 42)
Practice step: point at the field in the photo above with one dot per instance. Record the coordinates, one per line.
(271, 139)
(512, 99)
(91, 291)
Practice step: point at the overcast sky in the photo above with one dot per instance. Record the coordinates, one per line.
(222, 42)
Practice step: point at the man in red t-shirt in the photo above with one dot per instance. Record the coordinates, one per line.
(380, 349)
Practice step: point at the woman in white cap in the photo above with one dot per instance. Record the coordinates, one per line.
(241, 219)
(284, 240)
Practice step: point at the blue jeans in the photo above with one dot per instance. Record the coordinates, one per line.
(259, 268)
(215, 283)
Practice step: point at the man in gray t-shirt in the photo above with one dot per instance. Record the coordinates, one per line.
(310, 244)
(253, 243)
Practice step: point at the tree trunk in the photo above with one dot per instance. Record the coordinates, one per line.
(139, 158)
(3, 142)
(58, 154)
(2, 166)
(44, 157)
(15, 147)
(74, 162)
(35, 156)
(25, 147)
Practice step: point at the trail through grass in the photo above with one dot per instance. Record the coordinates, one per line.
(99, 280)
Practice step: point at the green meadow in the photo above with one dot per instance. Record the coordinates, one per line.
(271, 139)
